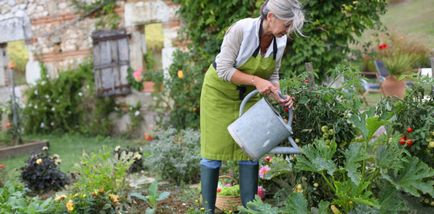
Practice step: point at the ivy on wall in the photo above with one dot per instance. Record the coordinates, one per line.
(103, 10)
(330, 26)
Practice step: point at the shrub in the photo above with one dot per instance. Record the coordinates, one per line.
(322, 106)
(414, 118)
(175, 155)
(130, 154)
(100, 171)
(41, 173)
(179, 101)
(14, 199)
(67, 104)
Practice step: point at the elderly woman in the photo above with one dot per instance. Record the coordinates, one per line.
(249, 59)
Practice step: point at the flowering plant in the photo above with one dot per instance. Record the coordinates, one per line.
(400, 55)
(41, 173)
(135, 78)
(128, 154)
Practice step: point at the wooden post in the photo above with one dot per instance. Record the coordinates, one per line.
(311, 74)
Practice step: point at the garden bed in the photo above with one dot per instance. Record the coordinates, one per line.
(26, 148)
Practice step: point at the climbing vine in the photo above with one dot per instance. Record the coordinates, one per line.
(330, 26)
(104, 10)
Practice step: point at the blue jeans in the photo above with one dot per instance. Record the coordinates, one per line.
(215, 164)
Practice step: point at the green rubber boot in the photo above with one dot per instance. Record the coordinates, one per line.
(248, 182)
(209, 180)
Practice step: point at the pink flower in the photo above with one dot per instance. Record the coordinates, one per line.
(261, 192)
(138, 75)
(263, 170)
(268, 159)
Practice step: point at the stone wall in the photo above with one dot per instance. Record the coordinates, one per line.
(58, 37)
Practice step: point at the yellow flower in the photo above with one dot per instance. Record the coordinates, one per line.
(335, 210)
(60, 197)
(114, 198)
(180, 74)
(39, 161)
(70, 206)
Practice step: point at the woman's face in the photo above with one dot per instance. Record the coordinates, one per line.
(277, 26)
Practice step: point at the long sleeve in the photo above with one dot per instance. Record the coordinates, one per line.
(225, 60)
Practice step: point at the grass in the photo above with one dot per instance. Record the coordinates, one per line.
(413, 18)
(69, 147)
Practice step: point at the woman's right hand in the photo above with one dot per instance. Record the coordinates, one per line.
(264, 87)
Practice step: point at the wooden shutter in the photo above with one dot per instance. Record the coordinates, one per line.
(111, 62)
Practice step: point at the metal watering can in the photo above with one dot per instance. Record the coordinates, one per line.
(259, 130)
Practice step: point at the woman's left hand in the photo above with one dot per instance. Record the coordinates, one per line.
(287, 102)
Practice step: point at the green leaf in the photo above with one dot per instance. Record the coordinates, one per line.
(296, 204)
(323, 207)
(153, 188)
(415, 176)
(372, 125)
(367, 123)
(354, 154)
(163, 196)
(317, 157)
(391, 201)
(389, 157)
(258, 207)
(138, 196)
(347, 191)
(150, 210)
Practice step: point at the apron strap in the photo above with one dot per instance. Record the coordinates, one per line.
(256, 52)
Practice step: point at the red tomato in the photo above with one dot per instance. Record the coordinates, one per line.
(409, 130)
(409, 143)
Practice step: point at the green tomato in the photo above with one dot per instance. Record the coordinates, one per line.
(431, 145)
(297, 140)
(324, 129)
(331, 132)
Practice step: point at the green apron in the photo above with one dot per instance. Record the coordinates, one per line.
(220, 103)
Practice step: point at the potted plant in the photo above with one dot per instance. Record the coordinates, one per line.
(399, 65)
(228, 194)
(400, 58)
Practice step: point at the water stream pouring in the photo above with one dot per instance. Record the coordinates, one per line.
(259, 130)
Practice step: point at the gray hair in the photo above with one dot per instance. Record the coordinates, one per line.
(290, 10)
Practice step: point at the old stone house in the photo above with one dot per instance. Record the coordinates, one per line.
(59, 37)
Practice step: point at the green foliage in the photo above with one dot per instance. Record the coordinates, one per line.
(130, 154)
(296, 204)
(348, 192)
(331, 26)
(41, 173)
(415, 176)
(318, 106)
(153, 197)
(19, 55)
(230, 190)
(257, 207)
(67, 104)
(352, 164)
(414, 111)
(134, 83)
(14, 199)
(100, 171)
(104, 10)
(180, 97)
(175, 155)
(317, 157)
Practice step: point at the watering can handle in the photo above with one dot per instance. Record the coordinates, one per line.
(255, 92)
(277, 150)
